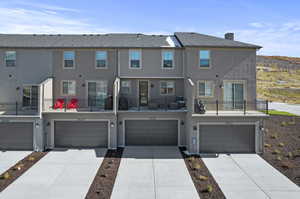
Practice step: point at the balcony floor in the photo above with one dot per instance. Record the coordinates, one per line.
(231, 114)
(81, 110)
(147, 109)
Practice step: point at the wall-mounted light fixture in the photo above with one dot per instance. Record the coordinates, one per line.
(152, 85)
(182, 122)
(37, 125)
(48, 123)
(112, 124)
(120, 123)
(195, 128)
(83, 85)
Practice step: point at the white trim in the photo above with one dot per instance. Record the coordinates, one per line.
(151, 118)
(138, 90)
(213, 89)
(61, 88)
(106, 60)
(162, 59)
(129, 58)
(52, 144)
(221, 123)
(63, 58)
(171, 94)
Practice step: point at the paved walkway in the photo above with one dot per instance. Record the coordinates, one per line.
(60, 174)
(153, 173)
(291, 108)
(10, 158)
(249, 176)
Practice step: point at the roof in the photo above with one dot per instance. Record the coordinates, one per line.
(201, 40)
(87, 41)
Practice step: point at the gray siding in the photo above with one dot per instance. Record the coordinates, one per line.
(151, 64)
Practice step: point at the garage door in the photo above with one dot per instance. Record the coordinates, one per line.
(70, 134)
(16, 136)
(151, 132)
(227, 138)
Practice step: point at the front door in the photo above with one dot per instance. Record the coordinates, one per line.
(143, 93)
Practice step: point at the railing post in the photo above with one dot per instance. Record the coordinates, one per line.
(244, 107)
(166, 104)
(65, 104)
(16, 108)
(217, 107)
(267, 107)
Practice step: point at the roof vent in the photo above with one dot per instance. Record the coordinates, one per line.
(229, 36)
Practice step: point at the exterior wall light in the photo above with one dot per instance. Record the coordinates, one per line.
(112, 124)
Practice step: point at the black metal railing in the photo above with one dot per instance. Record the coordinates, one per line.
(18, 108)
(76, 104)
(165, 103)
(201, 106)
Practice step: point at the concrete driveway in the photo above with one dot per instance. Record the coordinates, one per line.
(153, 172)
(291, 108)
(249, 176)
(10, 158)
(60, 174)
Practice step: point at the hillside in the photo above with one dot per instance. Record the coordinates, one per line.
(278, 79)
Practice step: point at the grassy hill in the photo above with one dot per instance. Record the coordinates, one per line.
(278, 79)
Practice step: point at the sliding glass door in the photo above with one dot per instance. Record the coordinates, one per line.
(97, 93)
(30, 97)
(233, 95)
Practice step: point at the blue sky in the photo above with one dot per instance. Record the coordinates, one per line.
(275, 26)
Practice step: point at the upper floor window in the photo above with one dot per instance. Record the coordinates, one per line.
(69, 59)
(168, 59)
(126, 87)
(205, 89)
(101, 59)
(135, 59)
(68, 87)
(167, 88)
(204, 58)
(10, 58)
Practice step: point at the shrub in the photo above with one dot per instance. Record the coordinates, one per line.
(274, 136)
(196, 166)
(287, 165)
(281, 144)
(208, 189)
(267, 145)
(279, 158)
(31, 158)
(202, 178)
(284, 123)
(276, 151)
(290, 155)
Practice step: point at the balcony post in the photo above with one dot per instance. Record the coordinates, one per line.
(244, 107)
(217, 107)
(65, 104)
(16, 108)
(267, 107)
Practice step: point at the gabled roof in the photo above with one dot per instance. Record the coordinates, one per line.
(200, 40)
(88, 41)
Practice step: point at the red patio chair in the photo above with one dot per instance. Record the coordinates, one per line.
(59, 104)
(73, 104)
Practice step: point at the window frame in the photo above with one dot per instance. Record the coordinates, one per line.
(212, 89)
(106, 59)
(199, 59)
(130, 86)
(167, 94)
(129, 58)
(7, 59)
(74, 61)
(162, 59)
(62, 90)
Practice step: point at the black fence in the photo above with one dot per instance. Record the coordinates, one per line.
(18, 108)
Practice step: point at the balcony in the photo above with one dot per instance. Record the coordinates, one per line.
(78, 105)
(168, 103)
(230, 108)
(18, 109)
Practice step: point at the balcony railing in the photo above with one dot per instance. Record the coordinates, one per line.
(167, 103)
(78, 105)
(227, 107)
(18, 108)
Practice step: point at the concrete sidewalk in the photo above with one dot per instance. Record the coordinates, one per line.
(247, 176)
(60, 174)
(10, 158)
(153, 173)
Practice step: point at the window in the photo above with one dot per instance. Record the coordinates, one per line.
(97, 93)
(204, 58)
(68, 88)
(167, 88)
(10, 58)
(168, 59)
(206, 89)
(135, 59)
(30, 97)
(126, 87)
(101, 59)
(69, 59)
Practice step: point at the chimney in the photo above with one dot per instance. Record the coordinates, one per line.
(229, 36)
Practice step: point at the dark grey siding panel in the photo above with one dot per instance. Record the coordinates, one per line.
(80, 134)
(16, 136)
(227, 139)
(151, 132)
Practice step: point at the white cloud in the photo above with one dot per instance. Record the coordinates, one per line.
(256, 25)
(276, 39)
